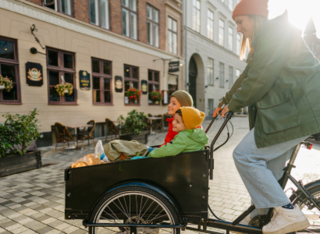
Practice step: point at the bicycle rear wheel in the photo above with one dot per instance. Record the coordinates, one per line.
(310, 211)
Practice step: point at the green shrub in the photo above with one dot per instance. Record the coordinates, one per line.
(17, 132)
(133, 124)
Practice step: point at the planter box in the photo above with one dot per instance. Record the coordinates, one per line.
(19, 163)
(142, 138)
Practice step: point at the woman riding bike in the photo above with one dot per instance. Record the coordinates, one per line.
(280, 85)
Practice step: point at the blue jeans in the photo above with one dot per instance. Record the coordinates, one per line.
(261, 168)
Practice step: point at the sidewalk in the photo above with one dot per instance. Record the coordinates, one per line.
(33, 201)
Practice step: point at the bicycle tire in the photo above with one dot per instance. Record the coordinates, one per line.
(129, 198)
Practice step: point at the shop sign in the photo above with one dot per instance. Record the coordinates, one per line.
(84, 77)
(174, 66)
(34, 74)
(118, 84)
(144, 86)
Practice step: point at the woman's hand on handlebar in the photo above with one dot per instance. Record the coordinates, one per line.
(216, 111)
(224, 111)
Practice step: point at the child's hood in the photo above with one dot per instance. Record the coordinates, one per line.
(198, 135)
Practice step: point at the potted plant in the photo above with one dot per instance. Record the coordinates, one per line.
(5, 83)
(64, 88)
(17, 133)
(134, 94)
(156, 96)
(132, 126)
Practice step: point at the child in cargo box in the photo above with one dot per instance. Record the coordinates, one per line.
(189, 138)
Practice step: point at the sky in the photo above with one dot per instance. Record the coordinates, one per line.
(300, 12)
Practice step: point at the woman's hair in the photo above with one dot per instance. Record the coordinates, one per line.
(179, 112)
(246, 42)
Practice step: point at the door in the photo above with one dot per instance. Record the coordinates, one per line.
(193, 73)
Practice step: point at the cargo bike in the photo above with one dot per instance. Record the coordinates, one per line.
(166, 194)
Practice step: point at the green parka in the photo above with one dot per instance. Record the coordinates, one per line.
(186, 141)
(280, 84)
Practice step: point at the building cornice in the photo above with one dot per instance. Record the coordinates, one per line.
(52, 17)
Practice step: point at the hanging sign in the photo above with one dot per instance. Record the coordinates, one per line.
(118, 84)
(144, 87)
(34, 74)
(84, 77)
(174, 66)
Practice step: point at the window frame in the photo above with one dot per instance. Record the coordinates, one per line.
(99, 14)
(131, 79)
(15, 63)
(102, 76)
(230, 36)
(221, 35)
(238, 43)
(152, 25)
(130, 11)
(230, 76)
(209, 20)
(154, 83)
(230, 5)
(196, 16)
(221, 75)
(57, 7)
(210, 80)
(172, 33)
(60, 69)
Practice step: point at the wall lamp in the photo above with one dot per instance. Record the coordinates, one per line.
(227, 81)
(217, 78)
(34, 50)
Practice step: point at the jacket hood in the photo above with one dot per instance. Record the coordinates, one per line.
(197, 135)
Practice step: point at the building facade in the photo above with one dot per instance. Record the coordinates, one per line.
(311, 39)
(212, 51)
(101, 47)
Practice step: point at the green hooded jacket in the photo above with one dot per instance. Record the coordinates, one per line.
(186, 141)
(280, 84)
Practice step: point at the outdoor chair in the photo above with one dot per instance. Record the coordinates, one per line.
(87, 133)
(147, 126)
(112, 129)
(69, 137)
(156, 124)
(60, 135)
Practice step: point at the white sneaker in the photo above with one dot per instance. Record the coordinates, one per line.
(286, 220)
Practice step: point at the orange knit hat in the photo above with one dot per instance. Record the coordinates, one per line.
(251, 7)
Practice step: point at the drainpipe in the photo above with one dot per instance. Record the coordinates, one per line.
(184, 41)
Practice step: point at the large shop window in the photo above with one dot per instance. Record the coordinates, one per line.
(131, 80)
(99, 13)
(101, 82)
(153, 84)
(129, 18)
(61, 68)
(153, 26)
(64, 6)
(9, 67)
(172, 36)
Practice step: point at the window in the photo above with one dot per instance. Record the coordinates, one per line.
(99, 13)
(9, 67)
(131, 80)
(221, 32)
(238, 42)
(153, 83)
(210, 25)
(172, 84)
(153, 26)
(238, 72)
(129, 18)
(230, 76)
(210, 71)
(101, 81)
(231, 5)
(196, 15)
(221, 75)
(210, 107)
(172, 36)
(230, 39)
(63, 6)
(60, 68)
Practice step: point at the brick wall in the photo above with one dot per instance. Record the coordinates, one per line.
(115, 16)
(81, 10)
(38, 2)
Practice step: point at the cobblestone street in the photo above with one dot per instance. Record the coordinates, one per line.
(33, 201)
